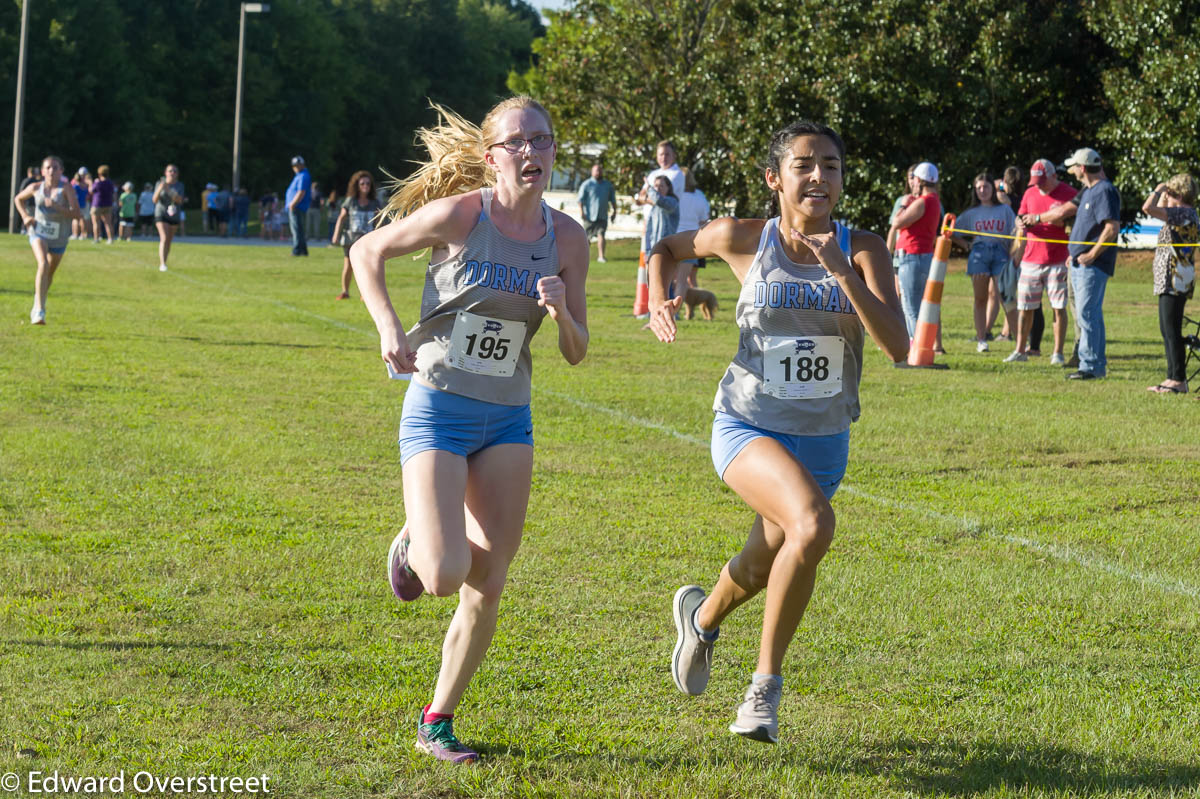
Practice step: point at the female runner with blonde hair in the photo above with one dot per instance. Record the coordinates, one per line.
(501, 261)
(782, 414)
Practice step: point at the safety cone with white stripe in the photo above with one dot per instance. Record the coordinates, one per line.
(920, 352)
(641, 297)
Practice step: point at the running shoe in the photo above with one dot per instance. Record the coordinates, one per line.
(37, 316)
(162, 267)
(601, 260)
(1057, 359)
(437, 739)
(691, 661)
(981, 346)
(406, 585)
(1016, 357)
(758, 715)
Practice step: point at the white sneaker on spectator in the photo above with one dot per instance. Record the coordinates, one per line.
(981, 346)
(1057, 359)
(1016, 357)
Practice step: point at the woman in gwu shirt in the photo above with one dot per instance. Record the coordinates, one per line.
(782, 414)
(501, 261)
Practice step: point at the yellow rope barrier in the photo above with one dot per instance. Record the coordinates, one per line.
(1054, 241)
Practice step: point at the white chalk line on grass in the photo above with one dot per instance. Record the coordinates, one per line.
(966, 524)
(1057, 551)
(271, 301)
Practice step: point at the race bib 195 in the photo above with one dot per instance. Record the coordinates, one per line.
(485, 346)
(802, 367)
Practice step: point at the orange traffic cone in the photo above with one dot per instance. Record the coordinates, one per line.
(641, 297)
(920, 352)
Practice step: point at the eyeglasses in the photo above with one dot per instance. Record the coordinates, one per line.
(542, 141)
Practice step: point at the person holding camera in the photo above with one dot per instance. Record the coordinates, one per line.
(1173, 203)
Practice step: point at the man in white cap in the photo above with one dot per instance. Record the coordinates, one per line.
(1044, 265)
(1093, 260)
(915, 230)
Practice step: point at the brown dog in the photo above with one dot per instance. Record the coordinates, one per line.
(705, 299)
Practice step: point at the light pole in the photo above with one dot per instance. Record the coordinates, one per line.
(18, 118)
(247, 8)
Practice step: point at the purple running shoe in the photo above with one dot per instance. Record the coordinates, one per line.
(437, 738)
(406, 585)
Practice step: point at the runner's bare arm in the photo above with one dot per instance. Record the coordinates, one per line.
(869, 283)
(441, 224)
(565, 296)
(732, 240)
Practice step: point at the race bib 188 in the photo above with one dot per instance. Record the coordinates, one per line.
(802, 367)
(485, 346)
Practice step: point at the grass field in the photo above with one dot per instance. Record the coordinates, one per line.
(199, 482)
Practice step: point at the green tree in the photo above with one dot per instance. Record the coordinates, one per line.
(969, 85)
(1153, 90)
(627, 73)
(139, 83)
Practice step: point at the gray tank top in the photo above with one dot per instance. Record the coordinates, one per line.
(479, 312)
(52, 216)
(799, 355)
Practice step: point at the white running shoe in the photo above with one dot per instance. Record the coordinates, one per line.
(758, 715)
(162, 267)
(1057, 359)
(1016, 357)
(37, 316)
(601, 260)
(981, 346)
(691, 660)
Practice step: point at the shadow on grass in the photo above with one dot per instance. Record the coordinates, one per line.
(931, 768)
(218, 343)
(966, 769)
(116, 646)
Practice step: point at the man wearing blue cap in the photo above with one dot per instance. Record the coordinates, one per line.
(297, 199)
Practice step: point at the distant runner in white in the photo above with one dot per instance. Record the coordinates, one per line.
(49, 227)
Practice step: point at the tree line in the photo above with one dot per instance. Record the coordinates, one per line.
(136, 84)
(969, 85)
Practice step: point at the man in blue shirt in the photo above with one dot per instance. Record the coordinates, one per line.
(595, 196)
(1098, 220)
(297, 199)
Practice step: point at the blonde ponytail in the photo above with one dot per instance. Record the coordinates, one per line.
(456, 163)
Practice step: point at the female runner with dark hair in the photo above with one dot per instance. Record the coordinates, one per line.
(784, 407)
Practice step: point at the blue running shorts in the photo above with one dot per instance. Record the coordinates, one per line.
(825, 457)
(434, 419)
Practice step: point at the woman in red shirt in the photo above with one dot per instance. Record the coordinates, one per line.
(914, 231)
